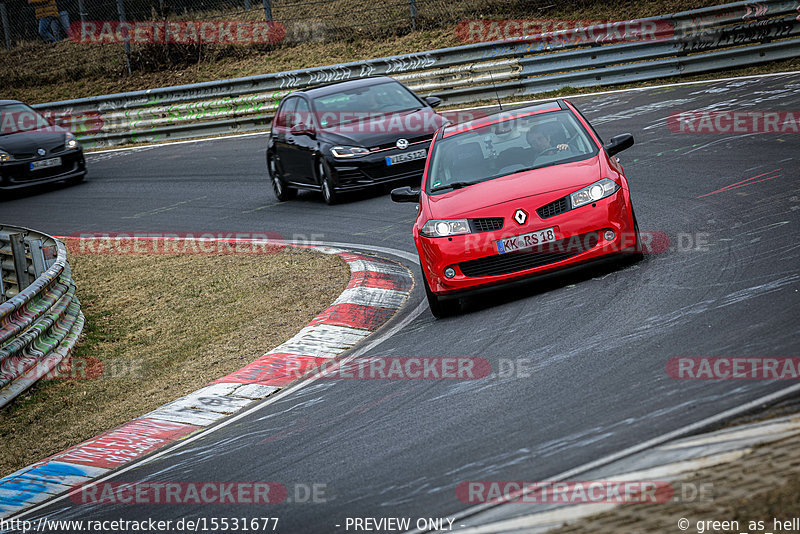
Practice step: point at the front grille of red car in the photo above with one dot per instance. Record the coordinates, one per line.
(513, 262)
(554, 208)
(487, 224)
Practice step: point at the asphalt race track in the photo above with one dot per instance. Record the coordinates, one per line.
(594, 345)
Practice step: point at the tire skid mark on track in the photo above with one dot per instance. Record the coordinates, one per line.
(377, 289)
(745, 182)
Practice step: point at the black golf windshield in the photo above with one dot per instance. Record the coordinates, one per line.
(356, 104)
(507, 147)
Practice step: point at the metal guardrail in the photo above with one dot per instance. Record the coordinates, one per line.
(40, 316)
(689, 42)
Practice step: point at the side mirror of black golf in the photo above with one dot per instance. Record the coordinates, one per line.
(302, 129)
(433, 101)
(619, 143)
(405, 194)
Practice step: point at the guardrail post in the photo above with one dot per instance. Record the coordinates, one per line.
(267, 9)
(121, 12)
(20, 263)
(6, 29)
(37, 257)
(4, 268)
(412, 5)
(81, 11)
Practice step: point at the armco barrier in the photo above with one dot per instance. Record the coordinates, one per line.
(689, 42)
(40, 316)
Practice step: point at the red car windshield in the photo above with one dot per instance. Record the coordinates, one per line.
(508, 147)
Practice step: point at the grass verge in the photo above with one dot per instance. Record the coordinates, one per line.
(163, 326)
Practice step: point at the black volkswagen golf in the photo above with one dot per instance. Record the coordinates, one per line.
(348, 136)
(33, 151)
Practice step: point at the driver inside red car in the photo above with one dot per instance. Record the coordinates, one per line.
(541, 137)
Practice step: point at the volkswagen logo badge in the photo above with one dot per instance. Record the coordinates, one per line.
(41, 152)
(402, 144)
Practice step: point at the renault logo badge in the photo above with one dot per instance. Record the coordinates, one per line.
(520, 216)
(402, 144)
(41, 152)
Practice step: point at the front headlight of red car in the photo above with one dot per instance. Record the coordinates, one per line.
(445, 228)
(592, 193)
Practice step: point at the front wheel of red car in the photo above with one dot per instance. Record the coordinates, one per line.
(440, 308)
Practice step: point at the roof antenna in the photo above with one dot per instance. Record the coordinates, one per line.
(497, 96)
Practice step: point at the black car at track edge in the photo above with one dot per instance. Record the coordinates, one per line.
(33, 151)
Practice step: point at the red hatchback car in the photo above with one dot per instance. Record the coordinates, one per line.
(516, 194)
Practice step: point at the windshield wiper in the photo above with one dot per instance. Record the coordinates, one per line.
(526, 169)
(454, 185)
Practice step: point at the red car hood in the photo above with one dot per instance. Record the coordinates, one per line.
(547, 181)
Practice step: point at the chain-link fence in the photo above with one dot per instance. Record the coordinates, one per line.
(50, 41)
(25, 21)
(110, 37)
(61, 49)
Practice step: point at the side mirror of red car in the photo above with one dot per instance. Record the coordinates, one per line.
(619, 143)
(405, 194)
